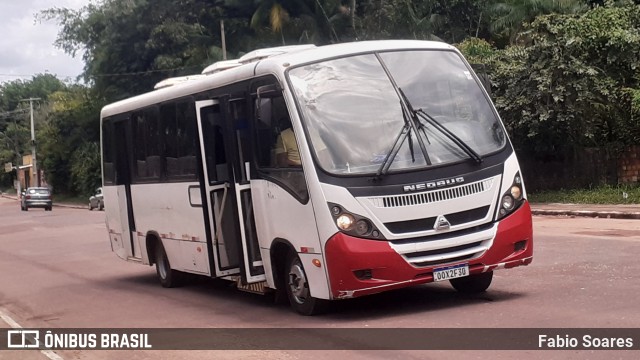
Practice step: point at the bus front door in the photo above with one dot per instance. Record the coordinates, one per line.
(231, 225)
(123, 190)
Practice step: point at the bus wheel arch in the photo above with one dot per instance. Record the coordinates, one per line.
(152, 240)
(297, 287)
(167, 276)
(280, 249)
(291, 280)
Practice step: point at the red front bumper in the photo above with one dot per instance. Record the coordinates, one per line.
(348, 256)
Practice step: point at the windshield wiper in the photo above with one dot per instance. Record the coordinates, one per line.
(397, 144)
(453, 137)
(438, 126)
(410, 125)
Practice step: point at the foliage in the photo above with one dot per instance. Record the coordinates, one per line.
(509, 16)
(40, 86)
(565, 73)
(68, 145)
(297, 21)
(85, 168)
(15, 122)
(446, 20)
(479, 51)
(573, 82)
(129, 45)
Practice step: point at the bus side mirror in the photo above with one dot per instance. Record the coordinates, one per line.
(269, 91)
(264, 111)
(265, 103)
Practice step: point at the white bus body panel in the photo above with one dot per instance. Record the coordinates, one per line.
(168, 210)
(117, 220)
(280, 216)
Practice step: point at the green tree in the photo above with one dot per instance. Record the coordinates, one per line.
(450, 21)
(129, 45)
(303, 21)
(15, 122)
(69, 136)
(509, 16)
(573, 84)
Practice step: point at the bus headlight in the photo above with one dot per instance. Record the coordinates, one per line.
(363, 227)
(508, 202)
(516, 192)
(512, 199)
(345, 222)
(353, 224)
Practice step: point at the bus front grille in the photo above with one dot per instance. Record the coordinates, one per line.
(446, 248)
(459, 218)
(446, 255)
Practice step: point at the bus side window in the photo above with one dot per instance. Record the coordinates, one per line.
(213, 134)
(107, 153)
(276, 149)
(277, 145)
(241, 128)
(264, 134)
(147, 161)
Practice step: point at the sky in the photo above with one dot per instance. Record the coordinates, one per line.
(26, 45)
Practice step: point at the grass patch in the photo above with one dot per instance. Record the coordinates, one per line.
(601, 195)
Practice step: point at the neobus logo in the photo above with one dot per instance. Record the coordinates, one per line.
(433, 184)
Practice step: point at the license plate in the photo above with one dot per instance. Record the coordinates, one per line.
(451, 272)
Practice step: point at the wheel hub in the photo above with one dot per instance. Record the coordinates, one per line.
(298, 283)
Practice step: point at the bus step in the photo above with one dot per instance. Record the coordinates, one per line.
(256, 288)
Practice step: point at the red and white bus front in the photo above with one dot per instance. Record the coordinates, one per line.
(416, 178)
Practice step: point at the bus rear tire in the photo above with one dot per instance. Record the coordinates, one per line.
(297, 288)
(473, 284)
(168, 277)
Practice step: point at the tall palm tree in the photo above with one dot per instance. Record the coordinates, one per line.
(272, 12)
(313, 20)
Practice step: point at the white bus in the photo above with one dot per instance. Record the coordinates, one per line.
(321, 172)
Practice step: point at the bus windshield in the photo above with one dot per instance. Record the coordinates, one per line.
(353, 113)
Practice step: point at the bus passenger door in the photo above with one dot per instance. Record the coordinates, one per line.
(122, 135)
(228, 202)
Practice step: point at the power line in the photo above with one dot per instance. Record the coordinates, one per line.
(146, 72)
(8, 114)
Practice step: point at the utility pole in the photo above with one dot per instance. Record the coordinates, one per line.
(224, 43)
(33, 141)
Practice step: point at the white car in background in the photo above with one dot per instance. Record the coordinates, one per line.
(96, 201)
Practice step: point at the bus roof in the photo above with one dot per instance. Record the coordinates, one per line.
(277, 62)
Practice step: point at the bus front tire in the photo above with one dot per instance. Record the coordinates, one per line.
(168, 277)
(473, 284)
(297, 288)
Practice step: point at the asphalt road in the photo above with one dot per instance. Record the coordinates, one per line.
(57, 271)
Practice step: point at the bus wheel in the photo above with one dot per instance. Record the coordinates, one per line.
(168, 277)
(298, 288)
(473, 284)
